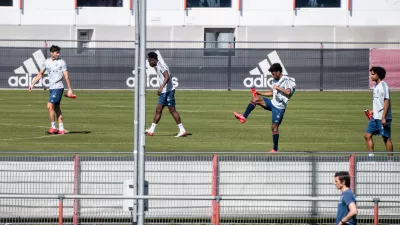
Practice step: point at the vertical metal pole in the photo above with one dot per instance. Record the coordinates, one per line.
(136, 110)
(321, 72)
(376, 211)
(60, 209)
(352, 171)
(230, 68)
(142, 107)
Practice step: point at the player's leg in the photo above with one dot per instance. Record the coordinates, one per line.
(172, 109)
(55, 100)
(385, 132)
(372, 129)
(162, 102)
(277, 117)
(59, 117)
(157, 118)
(275, 137)
(50, 109)
(256, 100)
(388, 144)
(177, 118)
(370, 142)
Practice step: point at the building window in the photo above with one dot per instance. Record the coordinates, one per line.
(219, 41)
(318, 3)
(209, 3)
(6, 2)
(99, 3)
(84, 38)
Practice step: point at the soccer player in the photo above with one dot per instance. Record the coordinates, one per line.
(347, 208)
(57, 70)
(166, 91)
(281, 92)
(381, 112)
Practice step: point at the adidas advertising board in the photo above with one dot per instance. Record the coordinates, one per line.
(192, 70)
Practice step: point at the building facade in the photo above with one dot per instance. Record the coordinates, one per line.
(204, 20)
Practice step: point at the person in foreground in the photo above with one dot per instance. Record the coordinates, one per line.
(166, 93)
(347, 207)
(381, 112)
(282, 90)
(57, 72)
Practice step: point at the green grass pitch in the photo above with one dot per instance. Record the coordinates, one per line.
(103, 121)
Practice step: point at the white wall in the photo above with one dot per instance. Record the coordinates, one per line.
(168, 20)
(172, 13)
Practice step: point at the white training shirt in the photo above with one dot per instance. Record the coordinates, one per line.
(161, 68)
(381, 92)
(55, 69)
(279, 100)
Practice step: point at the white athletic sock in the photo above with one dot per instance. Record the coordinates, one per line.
(153, 127)
(61, 126)
(181, 128)
(53, 125)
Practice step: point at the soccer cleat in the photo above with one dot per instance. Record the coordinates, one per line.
(253, 91)
(63, 132)
(181, 134)
(52, 131)
(273, 151)
(149, 133)
(240, 117)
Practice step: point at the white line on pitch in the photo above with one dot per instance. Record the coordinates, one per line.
(25, 138)
(116, 106)
(20, 125)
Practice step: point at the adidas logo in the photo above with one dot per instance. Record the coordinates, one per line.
(30, 67)
(262, 71)
(152, 80)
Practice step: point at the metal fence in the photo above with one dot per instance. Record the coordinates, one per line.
(109, 64)
(196, 188)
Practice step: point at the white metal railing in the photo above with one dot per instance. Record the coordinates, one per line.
(217, 217)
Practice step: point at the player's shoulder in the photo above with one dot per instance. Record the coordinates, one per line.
(384, 84)
(61, 60)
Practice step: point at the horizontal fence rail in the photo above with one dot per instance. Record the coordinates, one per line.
(195, 44)
(368, 211)
(187, 188)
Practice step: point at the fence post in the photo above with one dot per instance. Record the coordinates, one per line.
(352, 171)
(314, 204)
(376, 209)
(215, 204)
(321, 70)
(230, 68)
(60, 209)
(77, 175)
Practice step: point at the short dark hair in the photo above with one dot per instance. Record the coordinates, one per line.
(344, 176)
(55, 48)
(380, 71)
(152, 55)
(276, 67)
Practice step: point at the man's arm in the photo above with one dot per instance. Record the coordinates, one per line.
(166, 79)
(352, 212)
(284, 91)
(386, 104)
(66, 77)
(36, 79)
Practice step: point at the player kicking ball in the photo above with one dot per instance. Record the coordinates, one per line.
(282, 90)
(166, 93)
(57, 70)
